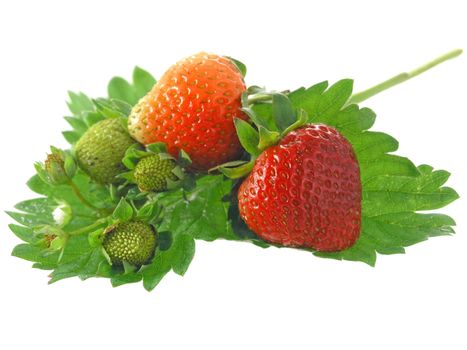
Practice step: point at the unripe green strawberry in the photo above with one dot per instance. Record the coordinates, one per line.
(152, 173)
(101, 149)
(133, 242)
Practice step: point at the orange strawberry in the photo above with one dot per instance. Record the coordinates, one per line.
(192, 107)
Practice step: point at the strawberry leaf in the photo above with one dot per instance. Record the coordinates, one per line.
(25, 234)
(79, 103)
(85, 266)
(36, 212)
(143, 81)
(130, 93)
(177, 258)
(120, 89)
(201, 212)
(84, 114)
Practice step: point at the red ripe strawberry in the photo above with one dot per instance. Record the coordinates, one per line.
(192, 107)
(305, 191)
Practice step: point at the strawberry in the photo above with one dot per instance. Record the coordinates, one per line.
(100, 150)
(305, 191)
(153, 169)
(133, 242)
(153, 172)
(192, 107)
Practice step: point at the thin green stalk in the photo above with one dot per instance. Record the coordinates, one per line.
(400, 78)
(98, 224)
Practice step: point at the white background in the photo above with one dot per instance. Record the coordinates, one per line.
(236, 295)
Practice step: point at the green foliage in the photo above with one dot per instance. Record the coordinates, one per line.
(200, 213)
(123, 212)
(394, 190)
(248, 136)
(241, 67)
(120, 89)
(283, 112)
(177, 258)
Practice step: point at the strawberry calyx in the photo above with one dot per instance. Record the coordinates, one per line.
(58, 168)
(153, 169)
(262, 130)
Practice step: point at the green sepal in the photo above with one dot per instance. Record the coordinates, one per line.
(133, 193)
(234, 169)
(178, 172)
(258, 120)
(128, 175)
(41, 172)
(165, 240)
(282, 111)
(239, 171)
(132, 155)
(128, 268)
(135, 154)
(71, 136)
(248, 136)
(302, 120)
(240, 66)
(113, 192)
(106, 256)
(183, 159)
(267, 138)
(255, 89)
(112, 108)
(163, 156)
(231, 164)
(158, 147)
(123, 212)
(70, 165)
(149, 212)
(57, 243)
(95, 238)
(171, 185)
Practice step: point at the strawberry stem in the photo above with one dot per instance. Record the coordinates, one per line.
(400, 78)
(98, 224)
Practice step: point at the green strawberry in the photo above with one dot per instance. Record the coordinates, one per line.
(133, 242)
(153, 172)
(100, 150)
